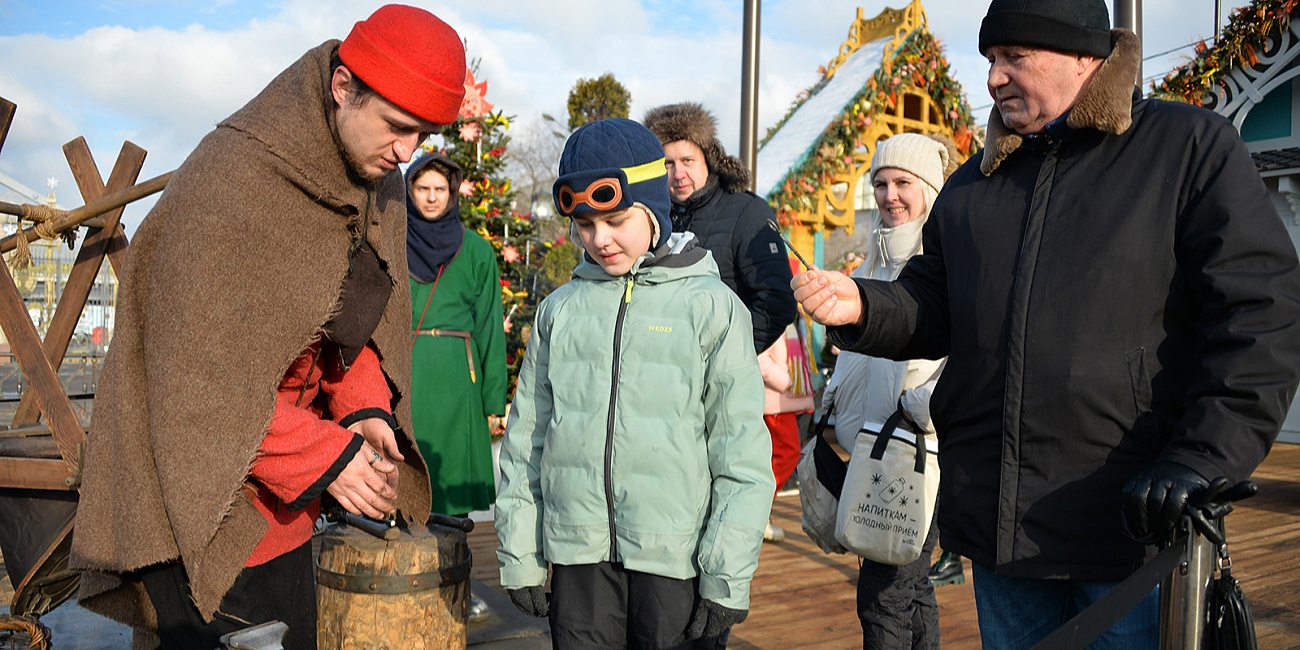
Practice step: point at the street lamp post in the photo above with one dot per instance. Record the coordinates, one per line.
(1128, 15)
(749, 90)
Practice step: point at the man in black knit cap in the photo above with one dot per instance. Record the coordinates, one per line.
(1117, 298)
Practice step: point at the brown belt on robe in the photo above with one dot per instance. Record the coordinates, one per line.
(469, 354)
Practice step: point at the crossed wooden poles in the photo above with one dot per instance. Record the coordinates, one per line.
(39, 360)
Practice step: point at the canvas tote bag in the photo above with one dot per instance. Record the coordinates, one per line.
(821, 478)
(889, 494)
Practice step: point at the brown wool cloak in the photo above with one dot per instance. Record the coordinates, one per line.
(228, 279)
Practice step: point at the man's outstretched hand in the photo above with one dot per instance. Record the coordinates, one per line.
(829, 297)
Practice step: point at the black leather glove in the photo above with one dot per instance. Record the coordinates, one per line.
(711, 619)
(531, 600)
(1156, 497)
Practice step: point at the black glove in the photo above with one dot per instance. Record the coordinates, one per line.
(711, 619)
(530, 600)
(1156, 498)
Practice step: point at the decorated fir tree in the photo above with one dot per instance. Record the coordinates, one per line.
(477, 142)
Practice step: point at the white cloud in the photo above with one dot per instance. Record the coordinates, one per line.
(165, 88)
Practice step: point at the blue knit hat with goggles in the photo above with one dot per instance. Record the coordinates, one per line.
(610, 165)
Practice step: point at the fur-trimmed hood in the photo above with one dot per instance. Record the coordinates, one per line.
(1106, 103)
(689, 121)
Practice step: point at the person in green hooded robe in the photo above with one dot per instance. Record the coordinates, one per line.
(458, 374)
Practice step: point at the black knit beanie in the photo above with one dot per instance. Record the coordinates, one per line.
(1074, 26)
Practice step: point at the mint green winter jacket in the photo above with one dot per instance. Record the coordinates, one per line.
(636, 434)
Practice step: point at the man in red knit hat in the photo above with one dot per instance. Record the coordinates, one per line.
(261, 358)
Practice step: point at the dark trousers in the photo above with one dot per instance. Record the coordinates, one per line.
(280, 590)
(896, 604)
(609, 607)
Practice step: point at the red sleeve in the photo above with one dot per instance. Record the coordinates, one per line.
(302, 453)
(360, 392)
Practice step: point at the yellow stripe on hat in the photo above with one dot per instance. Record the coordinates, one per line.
(650, 170)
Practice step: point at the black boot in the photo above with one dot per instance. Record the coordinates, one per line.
(947, 570)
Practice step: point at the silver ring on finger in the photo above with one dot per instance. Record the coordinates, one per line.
(374, 457)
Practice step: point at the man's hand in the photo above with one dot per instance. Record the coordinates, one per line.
(530, 600)
(1156, 498)
(362, 488)
(380, 436)
(711, 619)
(829, 297)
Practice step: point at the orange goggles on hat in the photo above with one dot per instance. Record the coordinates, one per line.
(601, 195)
(603, 190)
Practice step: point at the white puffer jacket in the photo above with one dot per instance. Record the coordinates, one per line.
(864, 390)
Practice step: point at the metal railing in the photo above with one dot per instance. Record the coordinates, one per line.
(1184, 569)
(79, 374)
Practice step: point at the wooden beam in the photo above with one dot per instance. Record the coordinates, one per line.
(7, 110)
(40, 376)
(35, 474)
(114, 242)
(77, 216)
(91, 255)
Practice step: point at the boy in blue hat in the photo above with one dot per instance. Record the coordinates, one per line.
(636, 466)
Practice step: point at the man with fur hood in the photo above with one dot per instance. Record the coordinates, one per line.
(1117, 298)
(710, 199)
(262, 356)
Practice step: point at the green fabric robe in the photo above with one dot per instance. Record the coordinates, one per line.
(449, 410)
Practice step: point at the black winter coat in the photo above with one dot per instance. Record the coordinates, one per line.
(1104, 301)
(751, 257)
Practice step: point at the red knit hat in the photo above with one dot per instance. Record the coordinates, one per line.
(411, 58)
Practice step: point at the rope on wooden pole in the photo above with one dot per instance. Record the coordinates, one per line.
(40, 216)
(50, 222)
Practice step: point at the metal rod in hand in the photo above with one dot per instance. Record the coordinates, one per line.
(78, 216)
(772, 224)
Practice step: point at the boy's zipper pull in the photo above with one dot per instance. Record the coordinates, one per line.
(627, 293)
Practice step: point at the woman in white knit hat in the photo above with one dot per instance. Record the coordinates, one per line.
(896, 604)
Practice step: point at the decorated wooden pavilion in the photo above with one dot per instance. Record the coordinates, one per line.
(888, 77)
(1251, 75)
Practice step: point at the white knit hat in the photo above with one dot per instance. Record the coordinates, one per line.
(922, 155)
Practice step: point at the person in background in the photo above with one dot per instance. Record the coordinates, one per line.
(458, 359)
(1118, 301)
(634, 466)
(787, 381)
(710, 199)
(896, 604)
(262, 357)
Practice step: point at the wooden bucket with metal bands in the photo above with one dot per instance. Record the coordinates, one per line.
(410, 592)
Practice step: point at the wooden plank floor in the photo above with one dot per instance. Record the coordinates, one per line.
(803, 598)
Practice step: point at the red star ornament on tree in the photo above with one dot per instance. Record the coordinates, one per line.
(474, 105)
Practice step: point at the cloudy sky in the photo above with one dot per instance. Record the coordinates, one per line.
(161, 73)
